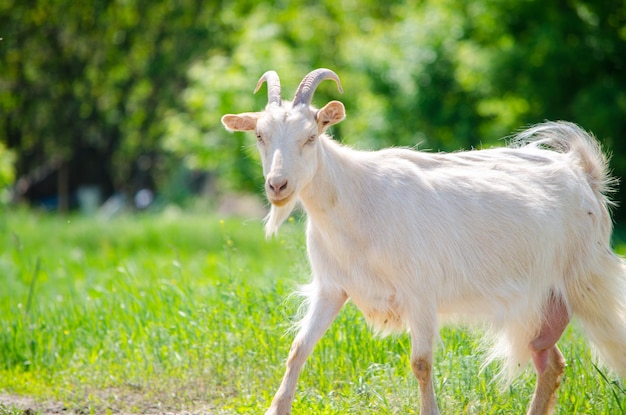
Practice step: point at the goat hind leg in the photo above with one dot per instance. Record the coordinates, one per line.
(547, 357)
(548, 380)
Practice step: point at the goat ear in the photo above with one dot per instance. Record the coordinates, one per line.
(240, 122)
(332, 113)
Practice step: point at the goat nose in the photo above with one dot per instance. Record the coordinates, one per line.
(277, 185)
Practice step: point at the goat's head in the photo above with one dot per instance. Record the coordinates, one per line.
(288, 134)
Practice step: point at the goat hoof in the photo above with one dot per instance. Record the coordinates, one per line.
(277, 411)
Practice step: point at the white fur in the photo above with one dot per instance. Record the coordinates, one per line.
(413, 238)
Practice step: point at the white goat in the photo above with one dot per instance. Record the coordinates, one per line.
(516, 236)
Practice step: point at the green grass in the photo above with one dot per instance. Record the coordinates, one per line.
(162, 313)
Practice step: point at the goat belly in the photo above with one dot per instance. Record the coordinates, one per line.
(379, 304)
(382, 311)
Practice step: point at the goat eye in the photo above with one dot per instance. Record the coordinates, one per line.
(311, 138)
(259, 138)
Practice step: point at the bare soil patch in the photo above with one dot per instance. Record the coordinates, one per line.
(16, 404)
(11, 404)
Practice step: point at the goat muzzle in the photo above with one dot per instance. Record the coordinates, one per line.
(278, 191)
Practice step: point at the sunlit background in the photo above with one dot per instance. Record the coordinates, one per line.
(111, 108)
(115, 105)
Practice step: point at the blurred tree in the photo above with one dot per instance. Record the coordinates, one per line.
(133, 77)
(94, 78)
(550, 60)
(7, 173)
(291, 37)
(395, 59)
(556, 59)
(445, 74)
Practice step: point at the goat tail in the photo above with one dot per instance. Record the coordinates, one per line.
(569, 138)
(595, 288)
(599, 303)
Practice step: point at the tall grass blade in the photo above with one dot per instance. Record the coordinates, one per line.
(31, 289)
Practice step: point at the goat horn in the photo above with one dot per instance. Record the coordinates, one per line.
(273, 86)
(304, 93)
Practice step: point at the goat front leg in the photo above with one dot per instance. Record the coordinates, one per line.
(322, 311)
(422, 335)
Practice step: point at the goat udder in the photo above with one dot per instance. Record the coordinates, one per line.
(555, 320)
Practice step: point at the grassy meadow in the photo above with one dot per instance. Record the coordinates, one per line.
(178, 312)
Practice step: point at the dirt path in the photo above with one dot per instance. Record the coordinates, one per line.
(24, 405)
(14, 404)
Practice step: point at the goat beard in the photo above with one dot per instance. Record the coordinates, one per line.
(276, 217)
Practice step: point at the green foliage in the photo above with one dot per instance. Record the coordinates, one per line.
(98, 74)
(138, 76)
(7, 172)
(170, 313)
(442, 74)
